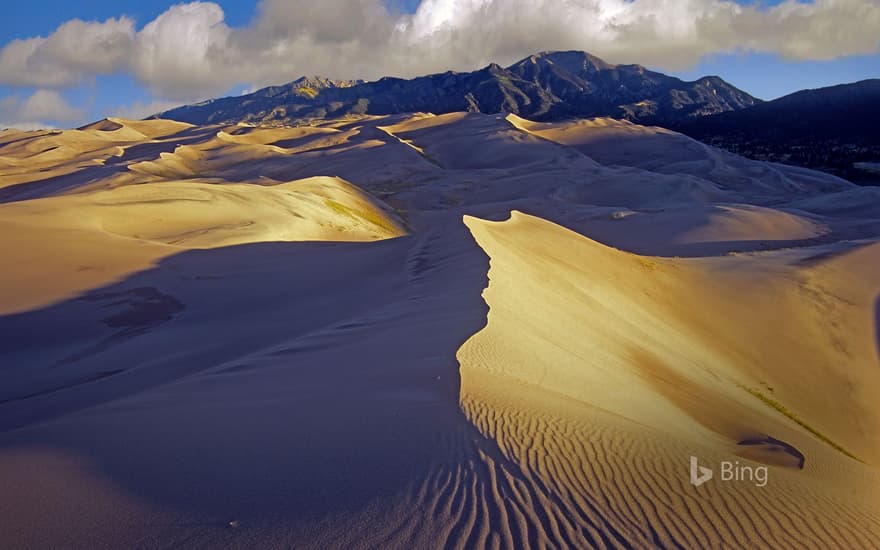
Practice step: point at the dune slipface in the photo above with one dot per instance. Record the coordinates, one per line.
(419, 331)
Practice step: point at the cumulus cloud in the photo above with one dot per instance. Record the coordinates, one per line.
(190, 52)
(48, 105)
(42, 109)
(670, 34)
(184, 52)
(76, 50)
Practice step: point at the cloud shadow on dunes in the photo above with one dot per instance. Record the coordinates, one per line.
(58, 184)
(152, 150)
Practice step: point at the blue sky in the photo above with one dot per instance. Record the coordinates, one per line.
(217, 41)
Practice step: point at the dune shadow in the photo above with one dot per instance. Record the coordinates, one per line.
(719, 248)
(277, 379)
(660, 237)
(832, 253)
(145, 308)
(150, 150)
(773, 451)
(58, 184)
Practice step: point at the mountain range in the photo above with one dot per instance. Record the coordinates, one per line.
(831, 129)
(546, 86)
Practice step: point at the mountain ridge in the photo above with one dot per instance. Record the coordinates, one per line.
(833, 129)
(549, 85)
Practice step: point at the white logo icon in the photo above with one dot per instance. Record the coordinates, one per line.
(699, 474)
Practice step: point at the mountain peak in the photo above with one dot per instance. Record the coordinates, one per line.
(321, 82)
(573, 61)
(307, 87)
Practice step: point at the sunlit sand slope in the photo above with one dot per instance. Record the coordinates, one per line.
(96, 237)
(600, 372)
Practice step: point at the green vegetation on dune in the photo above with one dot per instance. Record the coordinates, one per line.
(648, 264)
(370, 216)
(770, 402)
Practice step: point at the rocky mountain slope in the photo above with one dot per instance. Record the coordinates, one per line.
(833, 129)
(546, 86)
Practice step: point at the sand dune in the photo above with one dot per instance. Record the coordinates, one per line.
(616, 142)
(652, 327)
(424, 331)
(97, 237)
(685, 355)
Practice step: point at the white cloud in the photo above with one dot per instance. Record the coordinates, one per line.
(183, 52)
(670, 34)
(42, 109)
(76, 50)
(143, 109)
(49, 105)
(189, 52)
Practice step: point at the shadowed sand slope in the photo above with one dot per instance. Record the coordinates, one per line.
(324, 413)
(261, 337)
